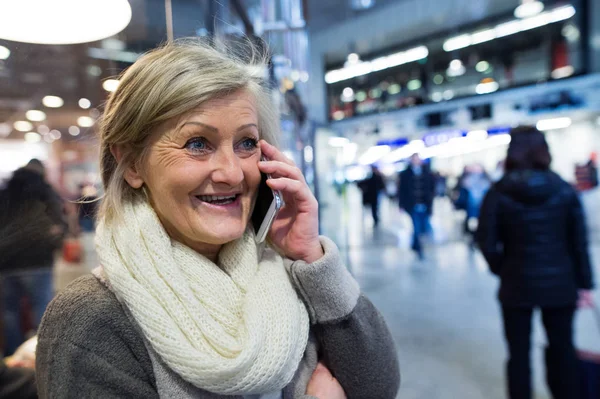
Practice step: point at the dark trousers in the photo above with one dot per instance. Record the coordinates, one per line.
(420, 219)
(36, 285)
(375, 211)
(562, 374)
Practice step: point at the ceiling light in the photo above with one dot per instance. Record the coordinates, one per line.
(563, 72)
(456, 68)
(5, 129)
(53, 101)
(23, 126)
(35, 115)
(487, 86)
(571, 33)
(448, 95)
(48, 139)
(338, 141)
(378, 64)
(554, 123)
(483, 36)
(110, 85)
(437, 96)
(304, 76)
(62, 22)
(375, 93)
(529, 8)
(477, 135)
(438, 79)
(361, 96)
(32, 137)
(508, 28)
(74, 131)
(458, 42)
(43, 129)
(85, 121)
(394, 89)
(353, 58)
(414, 84)
(348, 95)
(4, 53)
(482, 66)
(339, 115)
(373, 154)
(55, 134)
(561, 14)
(85, 103)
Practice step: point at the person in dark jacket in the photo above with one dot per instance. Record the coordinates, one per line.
(532, 233)
(32, 229)
(416, 192)
(371, 188)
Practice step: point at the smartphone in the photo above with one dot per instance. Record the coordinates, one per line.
(267, 206)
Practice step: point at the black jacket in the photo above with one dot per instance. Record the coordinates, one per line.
(29, 207)
(532, 233)
(371, 188)
(407, 189)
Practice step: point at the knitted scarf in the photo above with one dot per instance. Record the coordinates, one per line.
(234, 328)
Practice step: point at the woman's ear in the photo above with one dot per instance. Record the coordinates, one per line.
(132, 176)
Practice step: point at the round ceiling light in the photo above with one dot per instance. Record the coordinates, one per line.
(4, 53)
(110, 85)
(529, 8)
(85, 121)
(23, 126)
(53, 101)
(35, 115)
(62, 21)
(85, 103)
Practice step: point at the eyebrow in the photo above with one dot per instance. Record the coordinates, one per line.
(215, 130)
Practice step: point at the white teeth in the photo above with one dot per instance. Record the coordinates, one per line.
(213, 198)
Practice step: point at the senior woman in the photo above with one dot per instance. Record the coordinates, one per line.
(185, 304)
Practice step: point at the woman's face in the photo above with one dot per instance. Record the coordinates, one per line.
(202, 172)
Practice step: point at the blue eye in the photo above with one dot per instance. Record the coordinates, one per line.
(197, 144)
(249, 144)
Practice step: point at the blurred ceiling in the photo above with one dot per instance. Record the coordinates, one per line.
(322, 14)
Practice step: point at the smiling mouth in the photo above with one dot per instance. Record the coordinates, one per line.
(218, 200)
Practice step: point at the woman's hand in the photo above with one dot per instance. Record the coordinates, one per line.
(323, 385)
(296, 229)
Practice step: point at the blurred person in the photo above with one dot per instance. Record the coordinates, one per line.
(185, 302)
(475, 184)
(532, 233)
(371, 188)
(33, 228)
(416, 191)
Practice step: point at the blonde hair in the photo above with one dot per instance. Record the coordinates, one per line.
(165, 83)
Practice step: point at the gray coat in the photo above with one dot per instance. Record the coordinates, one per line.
(90, 347)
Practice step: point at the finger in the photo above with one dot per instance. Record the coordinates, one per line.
(281, 169)
(297, 189)
(273, 153)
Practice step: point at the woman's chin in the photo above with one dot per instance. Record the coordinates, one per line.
(224, 236)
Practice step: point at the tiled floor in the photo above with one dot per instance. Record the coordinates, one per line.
(442, 311)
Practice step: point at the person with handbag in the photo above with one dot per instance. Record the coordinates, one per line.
(186, 303)
(532, 233)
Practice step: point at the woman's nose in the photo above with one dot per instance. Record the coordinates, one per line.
(227, 168)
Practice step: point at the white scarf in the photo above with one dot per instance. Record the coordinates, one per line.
(233, 329)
